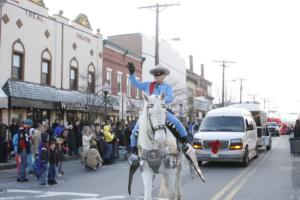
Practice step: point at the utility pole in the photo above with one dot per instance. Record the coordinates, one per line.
(223, 76)
(157, 10)
(241, 87)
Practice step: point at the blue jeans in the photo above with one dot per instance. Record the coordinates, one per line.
(29, 162)
(59, 167)
(171, 118)
(108, 152)
(51, 172)
(43, 179)
(23, 165)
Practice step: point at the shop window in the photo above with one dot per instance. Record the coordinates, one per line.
(46, 68)
(17, 68)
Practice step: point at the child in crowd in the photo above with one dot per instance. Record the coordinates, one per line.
(60, 155)
(52, 162)
(42, 162)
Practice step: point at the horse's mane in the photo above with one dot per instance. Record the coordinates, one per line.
(143, 124)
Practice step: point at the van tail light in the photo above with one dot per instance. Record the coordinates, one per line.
(236, 146)
(197, 145)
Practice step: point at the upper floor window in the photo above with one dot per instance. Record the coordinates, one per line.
(108, 77)
(46, 68)
(137, 90)
(17, 68)
(128, 87)
(91, 78)
(74, 74)
(119, 82)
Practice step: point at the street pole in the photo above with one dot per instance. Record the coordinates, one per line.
(223, 77)
(157, 10)
(105, 106)
(241, 87)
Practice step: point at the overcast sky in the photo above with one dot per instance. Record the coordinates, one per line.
(261, 36)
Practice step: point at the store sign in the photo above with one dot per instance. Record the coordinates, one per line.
(83, 38)
(73, 106)
(34, 16)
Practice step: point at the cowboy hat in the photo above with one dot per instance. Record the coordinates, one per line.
(159, 69)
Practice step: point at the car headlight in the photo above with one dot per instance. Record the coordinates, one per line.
(236, 144)
(197, 143)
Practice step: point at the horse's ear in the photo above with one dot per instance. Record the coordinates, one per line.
(146, 97)
(163, 96)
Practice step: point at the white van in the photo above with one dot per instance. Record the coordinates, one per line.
(227, 134)
(260, 118)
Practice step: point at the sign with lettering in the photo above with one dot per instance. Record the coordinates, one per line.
(34, 16)
(73, 106)
(83, 38)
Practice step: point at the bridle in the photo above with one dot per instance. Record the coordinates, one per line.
(159, 126)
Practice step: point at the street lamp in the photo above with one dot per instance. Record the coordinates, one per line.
(105, 92)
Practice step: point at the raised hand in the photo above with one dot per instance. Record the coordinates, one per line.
(131, 67)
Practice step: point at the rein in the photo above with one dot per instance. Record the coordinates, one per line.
(156, 128)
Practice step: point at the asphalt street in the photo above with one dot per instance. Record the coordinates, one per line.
(275, 175)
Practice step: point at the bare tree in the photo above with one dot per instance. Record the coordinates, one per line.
(91, 86)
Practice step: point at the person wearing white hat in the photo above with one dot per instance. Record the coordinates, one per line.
(158, 87)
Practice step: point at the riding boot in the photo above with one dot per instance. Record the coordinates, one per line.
(190, 154)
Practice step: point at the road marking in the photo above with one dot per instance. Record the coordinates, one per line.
(245, 173)
(49, 194)
(245, 179)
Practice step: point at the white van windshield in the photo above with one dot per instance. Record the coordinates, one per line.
(223, 124)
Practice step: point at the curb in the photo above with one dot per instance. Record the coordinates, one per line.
(12, 165)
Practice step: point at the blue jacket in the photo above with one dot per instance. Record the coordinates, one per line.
(158, 90)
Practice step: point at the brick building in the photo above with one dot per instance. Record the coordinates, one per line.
(115, 73)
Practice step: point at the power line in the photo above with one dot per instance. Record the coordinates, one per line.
(157, 10)
(223, 76)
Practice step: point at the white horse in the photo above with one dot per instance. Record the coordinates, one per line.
(158, 150)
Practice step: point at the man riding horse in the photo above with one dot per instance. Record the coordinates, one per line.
(159, 87)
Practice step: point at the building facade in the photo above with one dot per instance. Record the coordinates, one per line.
(115, 73)
(199, 94)
(48, 64)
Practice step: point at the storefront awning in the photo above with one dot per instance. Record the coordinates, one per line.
(32, 95)
(3, 99)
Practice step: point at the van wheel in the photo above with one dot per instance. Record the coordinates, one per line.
(256, 151)
(245, 161)
(269, 146)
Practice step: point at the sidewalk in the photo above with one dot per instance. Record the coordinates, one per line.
(11, 164)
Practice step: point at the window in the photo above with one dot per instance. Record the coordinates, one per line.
(223, 124)
(128, 86)
(46, 67)
(45, 72)
(73, 78)
(91, 78)
(74, 74)
(108, 77)
(17, 68)
(91, 82)
(137, 91)
(119, 80)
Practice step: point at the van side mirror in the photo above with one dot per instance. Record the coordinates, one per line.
(250, 127)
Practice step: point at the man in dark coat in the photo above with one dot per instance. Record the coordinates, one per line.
(3, 142)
